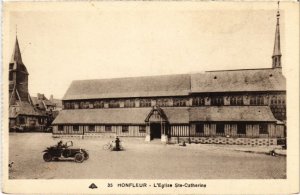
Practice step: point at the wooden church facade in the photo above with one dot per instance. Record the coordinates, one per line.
(245, 106)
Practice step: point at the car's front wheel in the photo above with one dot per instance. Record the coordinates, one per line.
(86, 155)
(47, 157)
(79, 157)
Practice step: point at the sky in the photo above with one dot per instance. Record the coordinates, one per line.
(93, 41)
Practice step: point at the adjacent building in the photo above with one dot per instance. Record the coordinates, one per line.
(246, 106)
(49, 107)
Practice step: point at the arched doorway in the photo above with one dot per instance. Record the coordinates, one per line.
(156, 125)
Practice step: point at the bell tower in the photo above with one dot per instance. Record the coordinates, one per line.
(276, 57)
(18, 77)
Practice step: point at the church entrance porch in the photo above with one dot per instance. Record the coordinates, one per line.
(155, 131)
(156, 122)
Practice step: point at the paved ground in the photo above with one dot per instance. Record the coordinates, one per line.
(140, 160)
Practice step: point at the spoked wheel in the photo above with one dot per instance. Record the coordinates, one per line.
(47, 157)
(86, 155)
(106, 146)
(79, 157)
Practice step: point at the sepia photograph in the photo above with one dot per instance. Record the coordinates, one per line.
(150, 97)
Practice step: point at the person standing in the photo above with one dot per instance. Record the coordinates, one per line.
(117, 142)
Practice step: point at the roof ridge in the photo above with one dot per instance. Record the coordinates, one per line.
(240, 69)
(129, 77)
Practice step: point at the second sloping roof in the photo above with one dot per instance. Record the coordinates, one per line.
(232, 113)
(117, 116)
(177, 115)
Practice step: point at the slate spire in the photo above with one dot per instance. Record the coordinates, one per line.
(16, 56)
(276, 57)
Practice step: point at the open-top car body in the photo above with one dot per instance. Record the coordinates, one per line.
(65, 151)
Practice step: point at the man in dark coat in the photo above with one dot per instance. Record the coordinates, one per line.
(118, 148)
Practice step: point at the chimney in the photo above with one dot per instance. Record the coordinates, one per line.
(51, 98)
(40, 96)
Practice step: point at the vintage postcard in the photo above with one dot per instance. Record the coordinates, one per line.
(150, 97)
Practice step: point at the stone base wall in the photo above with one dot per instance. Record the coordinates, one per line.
(224, 140)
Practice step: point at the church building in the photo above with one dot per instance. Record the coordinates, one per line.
(22, 114)
(244, 106)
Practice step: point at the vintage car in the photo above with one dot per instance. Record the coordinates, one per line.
(64, 151)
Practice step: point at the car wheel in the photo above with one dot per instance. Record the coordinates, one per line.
(47, 157)
(79, 158)
(86, 155)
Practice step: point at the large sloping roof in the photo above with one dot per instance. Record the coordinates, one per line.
(238, 80)
(103, 116)
(23, 108)
(167, 85)
(232, 113)
(178, 115)
(178, 85)
(118, 116)
(174, 115)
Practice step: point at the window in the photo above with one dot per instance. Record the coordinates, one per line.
(198, 101)
(71, 105)
(81, 105)
(32, 122)
(199, 128)
(263, 128)
(220, 128)
(10, 76)
(241, 128)
(75, 127)
(125, 129)
(145, 103)
(256, 100)
(91, 127)
(274, 100)
(98, 104)
(217, 101)
(22, 120)
(108, 128)
(236, 100)
(142, 129)
(113, 104)
(40, 120)
(84, 105)
(129, 103)
(76, 105)
(67, 105)
(60, 128)
(162, 102)
(179, 102)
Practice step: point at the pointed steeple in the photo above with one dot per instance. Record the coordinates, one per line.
(276, 57)
(16, 56)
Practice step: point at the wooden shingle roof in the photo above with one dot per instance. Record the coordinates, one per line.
(238, 81)
(23, 108)
(232, 113)
(178, 85)
(102, 116)
(174, 115)
(117, 116)
(167, 85)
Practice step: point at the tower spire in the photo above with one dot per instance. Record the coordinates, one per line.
(276, 57)
(16, 56)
